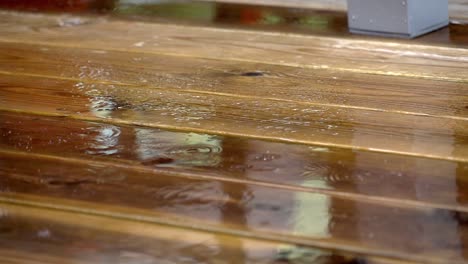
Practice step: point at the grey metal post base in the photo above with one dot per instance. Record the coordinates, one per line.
(397, 18)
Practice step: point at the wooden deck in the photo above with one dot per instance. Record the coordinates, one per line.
(146, 139)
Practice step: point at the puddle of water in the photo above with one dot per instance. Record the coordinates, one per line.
(169, 149)
(105, 142)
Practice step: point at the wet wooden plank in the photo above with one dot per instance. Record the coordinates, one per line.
(357, 175)
(273, 82)
(35, 235)
(313, 52)
(236, 208)
(425, 136)
(34, 232)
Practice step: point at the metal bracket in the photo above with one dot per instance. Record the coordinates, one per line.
(397, 18)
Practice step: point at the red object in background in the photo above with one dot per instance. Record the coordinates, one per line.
(250, 15)
(57, 5)
(238, 13)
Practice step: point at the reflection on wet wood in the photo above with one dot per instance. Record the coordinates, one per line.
(33, 235)
(416, 182)
(348, 55)
(249, 117)
(273, 82)
(235, 208)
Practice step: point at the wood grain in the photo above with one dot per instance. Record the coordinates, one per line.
(271, 82)
(333, 54)
(410, 182)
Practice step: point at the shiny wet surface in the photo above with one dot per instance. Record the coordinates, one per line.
(131, 139)
(241, 159)
(245, 185)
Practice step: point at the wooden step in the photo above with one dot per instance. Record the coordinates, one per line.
(245, 210)
(341, 55)
(358, 175)
(36, 235)
(289, 121)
